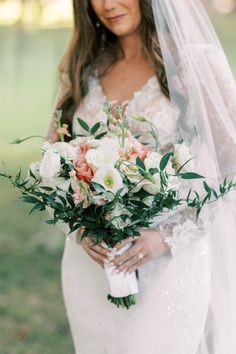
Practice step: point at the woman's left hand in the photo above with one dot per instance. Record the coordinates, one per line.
(150, 244)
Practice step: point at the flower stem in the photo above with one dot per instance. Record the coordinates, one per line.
(124, 302)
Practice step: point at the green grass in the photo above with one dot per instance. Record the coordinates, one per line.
(33, 318)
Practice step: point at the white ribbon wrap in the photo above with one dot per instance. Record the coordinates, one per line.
(120, 284)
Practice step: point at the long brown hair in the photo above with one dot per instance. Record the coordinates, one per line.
(90, 44)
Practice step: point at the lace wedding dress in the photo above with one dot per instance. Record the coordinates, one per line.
(173, 300)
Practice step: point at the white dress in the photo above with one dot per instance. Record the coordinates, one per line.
(173, 300)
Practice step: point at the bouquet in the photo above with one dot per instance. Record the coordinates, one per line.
(108, 184)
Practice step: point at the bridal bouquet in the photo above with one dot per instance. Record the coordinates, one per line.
(109, 185)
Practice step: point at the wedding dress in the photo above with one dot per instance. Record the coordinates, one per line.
(174, 289)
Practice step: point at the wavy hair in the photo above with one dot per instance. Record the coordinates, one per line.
(91, 44)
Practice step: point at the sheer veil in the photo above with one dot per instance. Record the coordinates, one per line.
(202, 86)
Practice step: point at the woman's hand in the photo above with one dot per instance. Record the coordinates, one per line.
(98, 253)
(150, 244)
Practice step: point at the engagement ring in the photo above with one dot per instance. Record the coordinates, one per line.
(140, 255)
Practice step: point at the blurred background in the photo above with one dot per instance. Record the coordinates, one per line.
(33, 36)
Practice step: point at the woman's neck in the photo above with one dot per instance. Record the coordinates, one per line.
(132, 46)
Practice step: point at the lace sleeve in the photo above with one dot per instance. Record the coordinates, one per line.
(181, 229)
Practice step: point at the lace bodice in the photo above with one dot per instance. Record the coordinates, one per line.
(149, 101)
(152, 103)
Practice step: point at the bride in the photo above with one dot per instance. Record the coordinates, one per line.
(162, 59)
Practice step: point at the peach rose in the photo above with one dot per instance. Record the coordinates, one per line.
(83, 170)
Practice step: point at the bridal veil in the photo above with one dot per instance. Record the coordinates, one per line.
(201, 84)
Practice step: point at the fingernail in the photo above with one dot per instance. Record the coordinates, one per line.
(106, 261)
(114, 249)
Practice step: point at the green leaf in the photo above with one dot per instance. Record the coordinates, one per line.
(140, 163)
(37, 207)
(95, 128)
(99, 136)
(182, 166)
(164, 161)
(215, 193)
(18, 175)
(207, 188)
(189, 193)
(83, 124)
(153, 171)
(47, 189)
(98, 187)
(29, 199)
(190, 175)
(198, 212)
(51, 222)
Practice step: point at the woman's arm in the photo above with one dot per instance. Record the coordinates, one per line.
(181, 228)
(64, 86)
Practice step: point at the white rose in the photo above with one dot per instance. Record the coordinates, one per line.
(50, 165)
(103, 155)
(181, 155)
(109, 178)
(67, 151)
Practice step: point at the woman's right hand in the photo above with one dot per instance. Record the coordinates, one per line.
(99, 253)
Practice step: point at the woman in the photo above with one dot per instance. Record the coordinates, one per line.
(132, 53)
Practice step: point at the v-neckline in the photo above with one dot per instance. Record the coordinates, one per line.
(125, 102)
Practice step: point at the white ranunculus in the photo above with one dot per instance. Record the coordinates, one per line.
(181, 155)
(109, 178)
(50, 165)
(67, 151)
(103, 155)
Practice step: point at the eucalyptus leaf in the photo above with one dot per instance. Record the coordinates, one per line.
(164, 161)
(140, 163)
(190, 175)
(83, 124)
(95, 128)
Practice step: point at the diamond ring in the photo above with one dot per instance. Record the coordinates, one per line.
(140, 255)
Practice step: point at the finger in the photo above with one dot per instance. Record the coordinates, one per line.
(128, 254)
(137, 264)
(135, 260)
(101, 250)
(96, 256)
(91, 242)
(122, 243)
